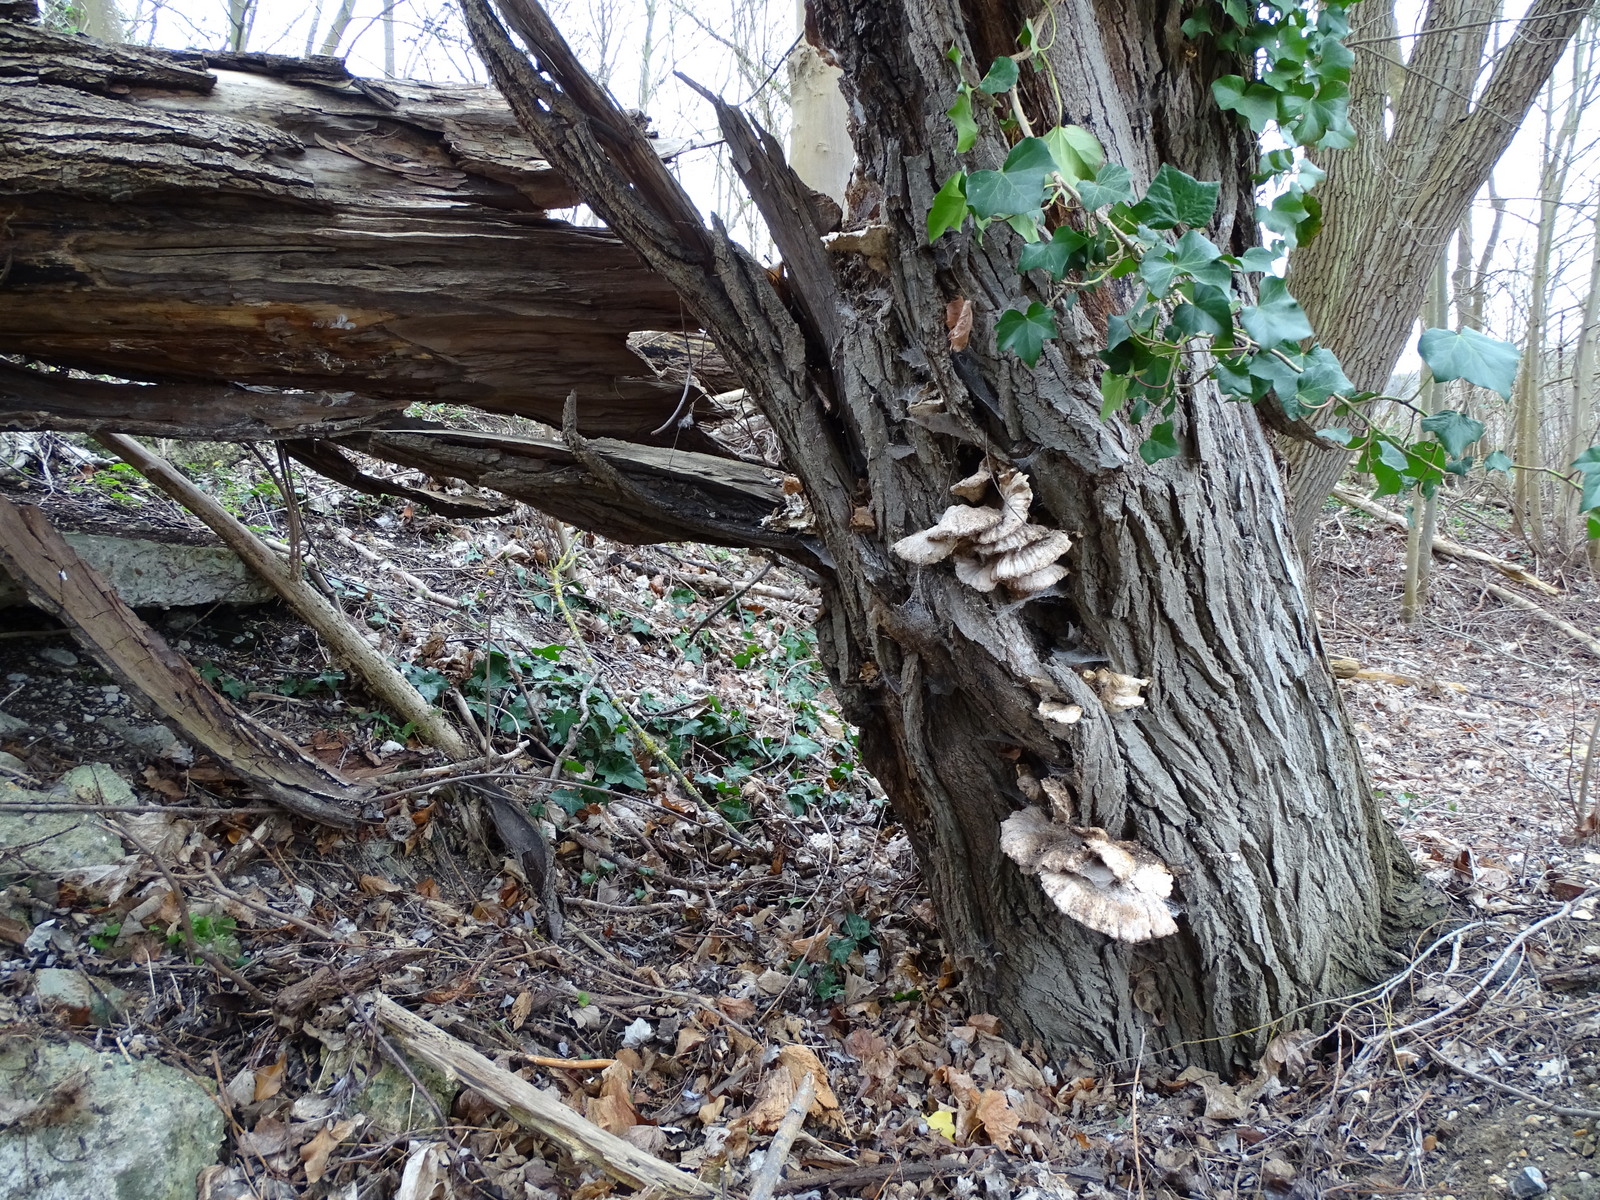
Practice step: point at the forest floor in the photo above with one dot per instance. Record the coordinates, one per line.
(697, 979)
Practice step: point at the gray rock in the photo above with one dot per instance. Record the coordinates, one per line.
(1527, 1183)
(120, 1129)
(82, 1000)
(94, 783)
(388, 1097)
(10, 764)
(51, 843)
(57, 655)
(159, 574)
(10, 725)
(149, 736)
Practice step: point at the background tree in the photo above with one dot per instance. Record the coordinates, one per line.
(1429, 130)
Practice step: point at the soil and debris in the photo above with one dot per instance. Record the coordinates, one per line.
(741, 909)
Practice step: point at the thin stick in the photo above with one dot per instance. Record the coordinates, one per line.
(1588, 642)
(1511, 1089)
(782, 1141)
(1588, 773)
(229, 894)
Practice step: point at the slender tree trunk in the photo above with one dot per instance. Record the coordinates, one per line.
(336, 30)
(1581, 432)
(1392, 202)
(1240, 770)
(1425, 506)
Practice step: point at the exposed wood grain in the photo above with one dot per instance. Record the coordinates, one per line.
(580, 1137)
(69, 589)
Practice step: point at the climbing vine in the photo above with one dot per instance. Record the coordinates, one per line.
(1195, 307)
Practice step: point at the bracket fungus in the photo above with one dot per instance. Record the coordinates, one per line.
(1117, 692)
(992, 544)
(1119, 889)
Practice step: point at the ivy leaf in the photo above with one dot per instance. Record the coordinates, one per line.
(1338, 435)
(949, 209)
(1077, 152)
(1324, 118)
(1018, 187)
(1193, 255)
(1454, 430)
(1024, 333)
(1589, 463)
(1160, 444)
(1276, 316)
(1055, 256)
(1498, 460)
(960, 114)
(1322, 377)
(1174, 198)
(1255, 102)
(1111, 185)
(1258, 258)
(1002, 76)
(1113, 393)
(1217, 303)
(1233, 376)
(1468, 354)
(1283, 377)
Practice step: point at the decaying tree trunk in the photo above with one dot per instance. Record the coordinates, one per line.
(1240, 770)
(278, 224)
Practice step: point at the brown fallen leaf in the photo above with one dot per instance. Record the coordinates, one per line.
(377, 885)
(613, 1108)
(995, 1114)
(778, 1088)
(958, 320)
(269, 1079)
(315, 1152)
(520, 1008)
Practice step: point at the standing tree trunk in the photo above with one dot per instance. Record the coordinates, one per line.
(1240, 770)
(1391, 202)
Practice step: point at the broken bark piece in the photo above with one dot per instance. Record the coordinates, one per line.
(579, 1136)
(62, 584)
(1119, 889)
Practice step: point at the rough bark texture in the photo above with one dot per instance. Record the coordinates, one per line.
(1241, 771)
(1392, 202)
(246, 219)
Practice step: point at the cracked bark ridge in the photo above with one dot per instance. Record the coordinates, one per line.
(204, 221)
(1240, 770)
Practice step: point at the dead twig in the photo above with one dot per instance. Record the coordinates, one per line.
(1444, 1060)
(783, 1140)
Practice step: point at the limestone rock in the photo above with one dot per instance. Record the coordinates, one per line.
(81, 1125)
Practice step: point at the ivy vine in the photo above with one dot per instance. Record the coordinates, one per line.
(1083, 224)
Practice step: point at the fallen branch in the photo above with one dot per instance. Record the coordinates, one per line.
(1447, 547)
(1349, 668)
(778, 1151)
(66, 587)
(1588, 641)
(335, 629)
(580, 1137)
(846, 1178)
(1509, 1089)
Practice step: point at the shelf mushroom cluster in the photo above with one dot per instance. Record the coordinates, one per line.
(1119, 889)
(992, 544)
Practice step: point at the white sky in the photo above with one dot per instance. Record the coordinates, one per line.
(733, 46)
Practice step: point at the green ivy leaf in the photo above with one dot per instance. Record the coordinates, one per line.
(1002, 76)
(1111, 185)
(1454, 430)
(949, 209)
(1498, 460)
(1174, 198)
(1217, 303)
(1255, 102)
(1026, 227)
(1283, 377)
(1589, 464)
(1323, 118)
(1077, 152)
(1113, 393)
(1196, 25)
(1233, 376)
(1018, 187)
(1024, 333)
(1160, 444)
(1338, 435)
(1322, 377)
(1258, 258)
(1193, 255)
(1468, 354)
(1060, 254)
(960, 114)
(1276, 317)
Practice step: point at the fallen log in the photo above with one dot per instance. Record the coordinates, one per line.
(1349, 668)
(335, 629)
(1447, 547)
(66, 587)
(1588, 641)
(579, 1136)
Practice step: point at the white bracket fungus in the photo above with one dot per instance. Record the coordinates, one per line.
(1117, 692)
(1119, 889)
(992, 544)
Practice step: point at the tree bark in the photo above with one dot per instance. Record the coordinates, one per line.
(1240, 771)
(253, 220)
(1391, 202)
